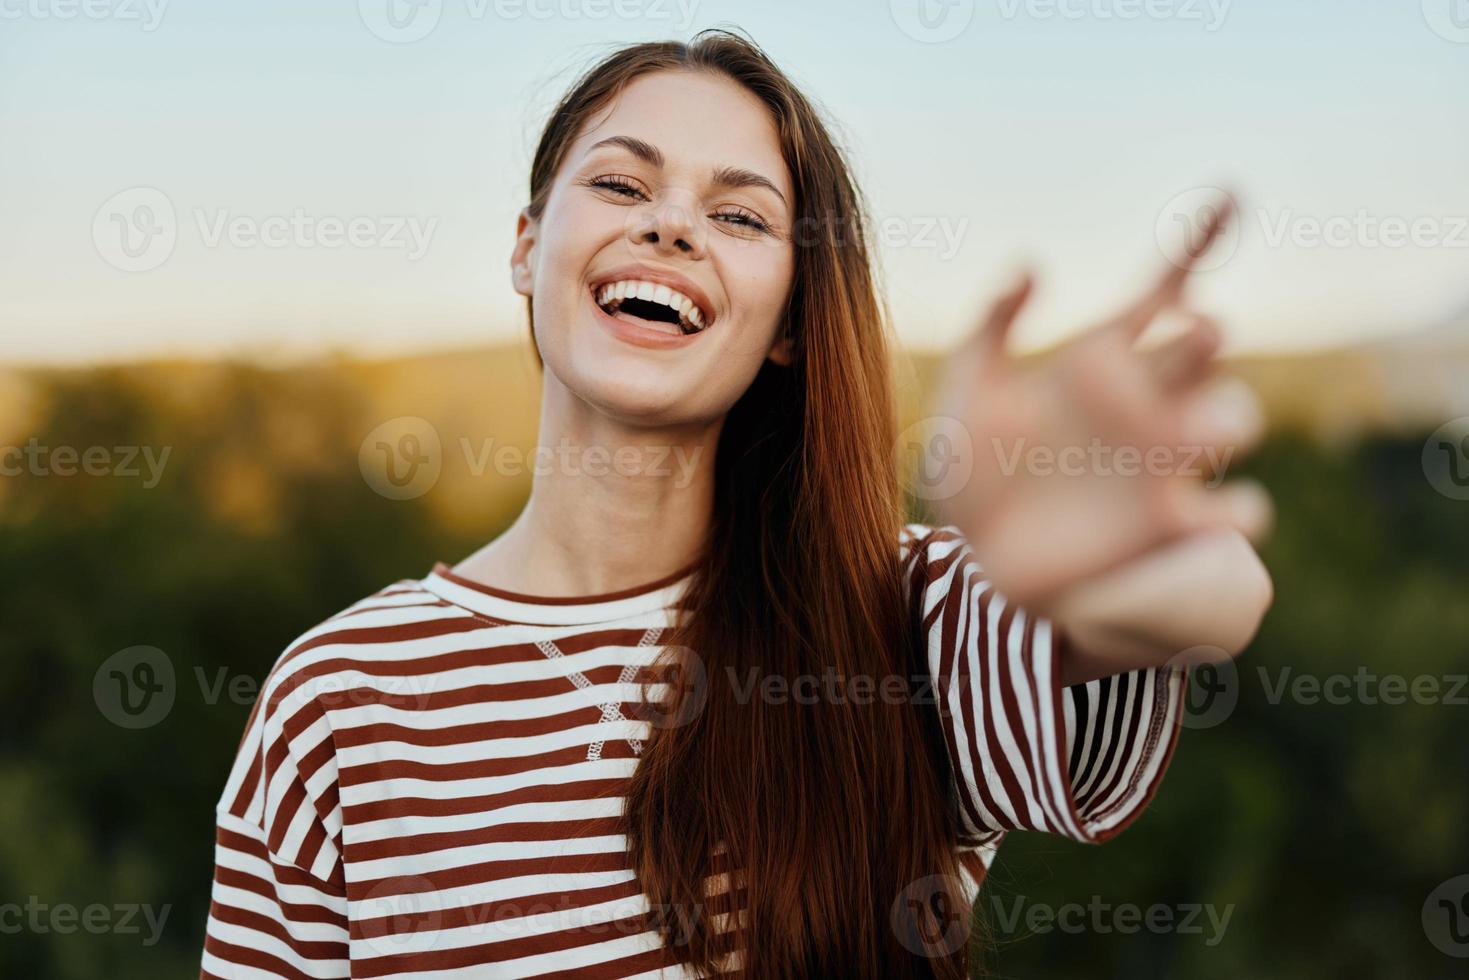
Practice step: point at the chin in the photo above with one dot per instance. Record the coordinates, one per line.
(630, 391)
(633, 384)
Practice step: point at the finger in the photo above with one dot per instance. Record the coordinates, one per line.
(1216, 220)
(1187, 359)
(1225, 418)
(1169, 289)
(1243, 505)
(993, 333)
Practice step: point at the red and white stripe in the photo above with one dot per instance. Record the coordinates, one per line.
(431, 781)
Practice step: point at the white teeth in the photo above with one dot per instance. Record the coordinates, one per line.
(611, 294)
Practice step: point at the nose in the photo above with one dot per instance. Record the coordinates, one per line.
(671, 226)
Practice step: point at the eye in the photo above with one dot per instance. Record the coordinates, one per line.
(617, 184)
(747, 219)
(625, 187)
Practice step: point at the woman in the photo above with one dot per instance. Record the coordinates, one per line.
(737, 713)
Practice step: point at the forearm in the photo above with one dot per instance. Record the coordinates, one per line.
(1207, 590)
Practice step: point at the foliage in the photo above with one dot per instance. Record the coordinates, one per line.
(1325, 826)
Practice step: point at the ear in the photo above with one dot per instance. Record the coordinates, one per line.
(781, 349)
(526, 229)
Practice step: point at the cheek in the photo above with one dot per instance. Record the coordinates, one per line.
(574, 229)
(759, 278)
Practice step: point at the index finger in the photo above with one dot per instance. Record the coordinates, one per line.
(989, 338)
(1169, 289)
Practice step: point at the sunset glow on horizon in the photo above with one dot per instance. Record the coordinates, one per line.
(280, 181)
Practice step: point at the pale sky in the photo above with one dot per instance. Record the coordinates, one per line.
(985, 133)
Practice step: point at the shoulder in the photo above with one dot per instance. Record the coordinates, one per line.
(933, 548)
(370, 643)
(940, 569)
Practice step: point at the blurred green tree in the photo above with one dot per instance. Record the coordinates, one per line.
(1321, 828)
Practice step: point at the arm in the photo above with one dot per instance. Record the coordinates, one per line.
(1099, 554)
(269, 917)
(1026, 752)
(1206, 590)
(278, 903)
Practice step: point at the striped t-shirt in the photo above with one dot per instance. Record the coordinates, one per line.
(430, 783)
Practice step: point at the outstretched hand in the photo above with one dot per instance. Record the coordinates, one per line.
(1103, 451)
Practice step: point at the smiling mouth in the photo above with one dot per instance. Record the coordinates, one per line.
(652, 305)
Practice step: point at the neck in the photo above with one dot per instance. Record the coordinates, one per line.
(612, 505)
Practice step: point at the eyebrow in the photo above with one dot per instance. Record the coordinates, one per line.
(722, 176)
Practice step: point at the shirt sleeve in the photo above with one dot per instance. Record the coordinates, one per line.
(1027, 753)
(278, 902)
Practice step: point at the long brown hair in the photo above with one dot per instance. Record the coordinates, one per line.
(831, 811)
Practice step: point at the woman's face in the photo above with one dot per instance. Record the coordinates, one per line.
(679, 183)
